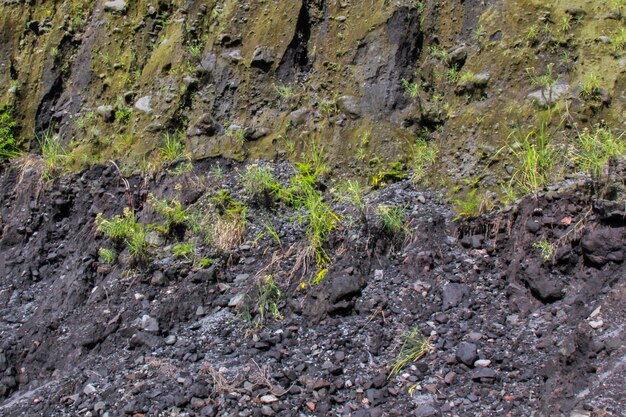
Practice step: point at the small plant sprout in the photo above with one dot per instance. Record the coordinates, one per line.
(107, 256)
(285, 92)
(545, 248)
(204, 263)
(546, 80)
(413, 348)
(411, 89)
(184, 250)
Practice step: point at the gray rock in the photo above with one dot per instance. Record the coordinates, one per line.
(299, 116)
(453, 294)
(426, 411)
(467, 353)
(482, 363)
(601, 246)
(170, 340)
(3, 362)
(256, 133)
(204, 275)
(115, 6)
(99, 406)
(144, 105)
(89, 389)
(548, 96)
(350, 106)
(484, 374)
(458, 55)
(203, 126)
(237, 300)
(158, 278)
(233, 56)
(145, 339)
(107, 113)
(149, 324)
(262, 58)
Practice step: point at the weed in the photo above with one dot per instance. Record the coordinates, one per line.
(532, 33)
(353, 193)
(8, 128)
(183, 168)
(328, 106)
(545, 248)
(125, 230)
(271, 230)
(259, 183)
(478, 33)
(123, 114)
(173, 146)
(284, 91)
(52, 152)
(205, 263)
(472, 206)
(196, 49)
(564, 24)
(590, 85)
(391, 219)
(319, 277)
(269, 297)
(536, 158)
(453, 74)
(413, 348)
(238, 134)
(411, 89)
(596, 151)
(467, 77)
(392, 172)
(423, 154)
(184, 250)
(107, 256)
(172, 211)
(545, 81)
(438, 53)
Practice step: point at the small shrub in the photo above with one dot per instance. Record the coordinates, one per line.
(172, 212)
(453, 74)
(107, 256)
(391, 219)
(173, 146)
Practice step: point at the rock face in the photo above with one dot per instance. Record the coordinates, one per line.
(603, 246)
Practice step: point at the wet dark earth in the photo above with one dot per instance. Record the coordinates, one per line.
(510, 333)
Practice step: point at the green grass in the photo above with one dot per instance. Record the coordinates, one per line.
(284, 91)
(173, 214)
(123, 114)
(466, 77)
(352, 192)
(471, 206)
(173, 146)
(8, 129)
(413, 348)
(438, 53)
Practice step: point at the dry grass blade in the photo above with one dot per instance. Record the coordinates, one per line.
(413, 348)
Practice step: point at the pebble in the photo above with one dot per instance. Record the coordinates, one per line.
(482, 363)
(269, 399)
(89, 389)
(149, 324)
(170, 340)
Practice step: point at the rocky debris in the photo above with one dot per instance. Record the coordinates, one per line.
(173, 334)
(107, 112)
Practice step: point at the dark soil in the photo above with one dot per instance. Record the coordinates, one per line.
(511, 334)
